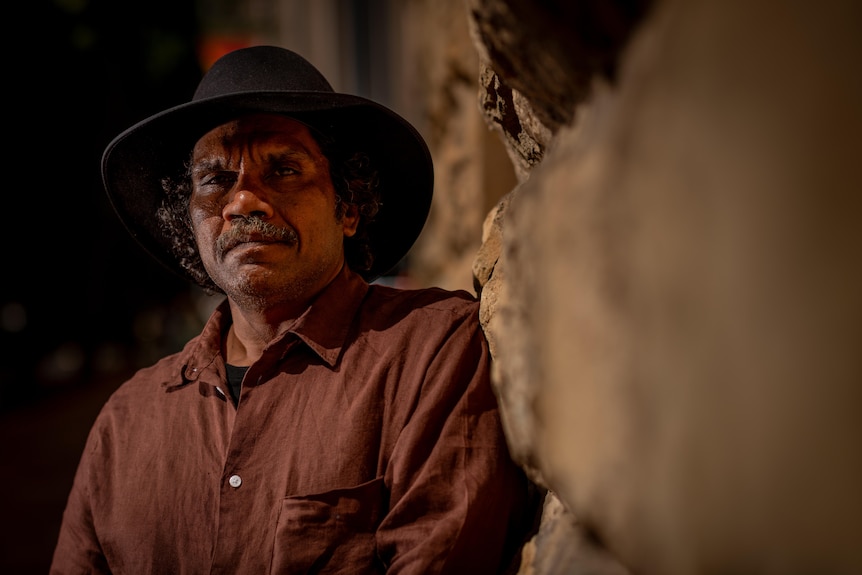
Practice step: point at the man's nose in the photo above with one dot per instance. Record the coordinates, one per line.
(248, 200)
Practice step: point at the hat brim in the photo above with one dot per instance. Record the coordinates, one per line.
(136, 161)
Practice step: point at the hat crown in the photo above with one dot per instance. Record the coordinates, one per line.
(260, 69)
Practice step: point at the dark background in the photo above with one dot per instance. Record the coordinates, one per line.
(71, 270)
(81, 304)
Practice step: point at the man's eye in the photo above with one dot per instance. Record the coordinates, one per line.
(285, 171)
(217, 179)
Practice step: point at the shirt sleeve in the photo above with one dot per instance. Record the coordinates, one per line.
(78, 550)
(457, 498)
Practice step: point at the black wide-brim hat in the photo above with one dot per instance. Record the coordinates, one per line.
(273, 80)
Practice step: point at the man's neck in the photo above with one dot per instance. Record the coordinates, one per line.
(255, 326)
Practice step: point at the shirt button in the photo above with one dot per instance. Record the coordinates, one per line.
(235, 480)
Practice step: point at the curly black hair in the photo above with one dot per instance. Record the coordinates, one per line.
(354, 178)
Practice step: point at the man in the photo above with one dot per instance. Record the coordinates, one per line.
(318, 423)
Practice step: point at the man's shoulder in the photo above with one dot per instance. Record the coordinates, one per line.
(411, 325)
(427, 309)
(426, 298)
(154, 377)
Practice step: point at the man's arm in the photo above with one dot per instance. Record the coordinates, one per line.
(78, 550)
(456, 496)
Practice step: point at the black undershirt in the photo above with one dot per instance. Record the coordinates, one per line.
(234, 380)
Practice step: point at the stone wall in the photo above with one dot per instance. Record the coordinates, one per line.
(672, 289)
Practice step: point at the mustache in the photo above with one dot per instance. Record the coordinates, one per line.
(253, 229)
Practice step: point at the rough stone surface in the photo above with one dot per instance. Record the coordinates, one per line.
(538, 62)
(511, 115)
(563, 547)
(504, 321)
(672, 291)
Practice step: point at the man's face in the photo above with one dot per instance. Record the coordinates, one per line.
(263, 211)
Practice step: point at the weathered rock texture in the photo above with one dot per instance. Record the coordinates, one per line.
(673, 290)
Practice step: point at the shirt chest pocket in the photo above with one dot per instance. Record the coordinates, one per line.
(330, 532)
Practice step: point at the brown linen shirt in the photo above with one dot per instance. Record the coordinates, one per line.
(366, 440)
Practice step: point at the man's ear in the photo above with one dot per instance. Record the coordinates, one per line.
(350, 220)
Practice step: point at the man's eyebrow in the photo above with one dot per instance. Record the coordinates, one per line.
(206, 165)
(286, 155)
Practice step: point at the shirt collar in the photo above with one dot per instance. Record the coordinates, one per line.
(322, 327)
